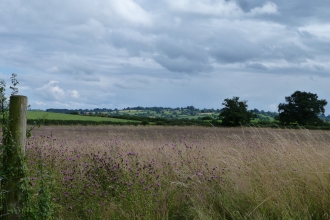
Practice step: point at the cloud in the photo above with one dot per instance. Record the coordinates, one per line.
(132, 83)
(267, 8)
(222, 8)
(182, 64)
(206, 7)
(289, 52)
(132, 12)
(181, 55)
(41, 104)
(234, 49)
(92, 53)
(319, 67)
(52, 92)
(74, 94)
(132, 41)
(321, 31)
(59, 12)
(256, 66)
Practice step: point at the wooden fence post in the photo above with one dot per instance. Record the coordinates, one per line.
(17, 127)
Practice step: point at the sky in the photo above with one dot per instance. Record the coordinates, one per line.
(167, 53)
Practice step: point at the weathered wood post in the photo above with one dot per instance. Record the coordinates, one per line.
(17, 128)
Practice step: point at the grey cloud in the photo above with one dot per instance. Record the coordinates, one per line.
(187, 42)
(256, 66)
(89, 78)
(175, 48)
(107, 46)
(304, 34)
(234, 50)
(300, 70)
(289, 52)
(296, 13)
(247, 5)
(74, 65)
(169, 53)
(238, 50)
(132, 83)
(318, 47)
(132, 41)
(244, 4)
(184, 47)
(182, 64)
(319, 67)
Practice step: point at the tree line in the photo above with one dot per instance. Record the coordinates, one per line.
(139, 108)
(301, 108)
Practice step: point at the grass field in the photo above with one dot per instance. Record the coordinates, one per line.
(60, 116)
(127, 172)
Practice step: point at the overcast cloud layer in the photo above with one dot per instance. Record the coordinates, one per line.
(170, 53)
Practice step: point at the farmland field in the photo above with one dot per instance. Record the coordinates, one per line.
(127, 172)
(60, 116)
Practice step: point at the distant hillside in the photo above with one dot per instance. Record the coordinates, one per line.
(189, 112)
(51, 118)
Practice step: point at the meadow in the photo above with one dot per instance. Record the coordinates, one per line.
(156, 172)
(34, 115)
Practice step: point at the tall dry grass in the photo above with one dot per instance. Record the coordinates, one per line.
(110, 172)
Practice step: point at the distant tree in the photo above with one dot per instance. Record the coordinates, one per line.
(207, 118)
(191, 108)
(302, 108)
(74, 113)
(235, 112)
(145, 122)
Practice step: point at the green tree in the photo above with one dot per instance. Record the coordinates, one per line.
(302, 108)
(235, 112)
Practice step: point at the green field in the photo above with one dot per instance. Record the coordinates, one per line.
(60, 116)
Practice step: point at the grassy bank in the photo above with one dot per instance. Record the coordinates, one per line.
(183, 173)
